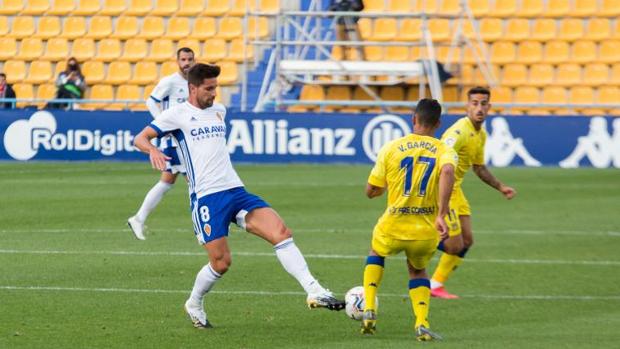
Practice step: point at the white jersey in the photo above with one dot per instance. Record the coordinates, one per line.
(201, 134)
(171, 90)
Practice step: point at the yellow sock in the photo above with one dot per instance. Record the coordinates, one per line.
(447, 264)
(373, 273)
(420, 294)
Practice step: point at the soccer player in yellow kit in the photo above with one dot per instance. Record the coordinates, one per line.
(467, 138)
(417, 170)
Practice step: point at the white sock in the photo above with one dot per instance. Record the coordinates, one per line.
(206, 278)
(153, 197)
(294, 263)
(435, 284)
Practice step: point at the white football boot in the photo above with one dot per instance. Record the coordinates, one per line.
(137, 227)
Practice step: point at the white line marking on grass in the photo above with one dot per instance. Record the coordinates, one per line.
(310, 256)
(291, 293)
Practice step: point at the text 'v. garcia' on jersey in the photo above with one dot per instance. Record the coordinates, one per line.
(409, 167)
(201, 134)
(468, 144)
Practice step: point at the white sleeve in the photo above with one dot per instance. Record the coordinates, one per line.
(153, 107)
(165, 123)
(161, 91)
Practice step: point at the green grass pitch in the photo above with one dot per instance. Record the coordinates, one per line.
(543, 272)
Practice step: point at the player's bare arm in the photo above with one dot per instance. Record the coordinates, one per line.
(487, 177)
(143, 142)
(446, 182)
(372, 191)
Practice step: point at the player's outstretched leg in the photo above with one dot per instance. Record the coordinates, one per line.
(373, 274)
(152, 198)
(265, 223)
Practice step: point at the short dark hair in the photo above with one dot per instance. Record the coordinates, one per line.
(201, 71)
(478, 90)
(428, 112)
(186, 50)
(3, 75)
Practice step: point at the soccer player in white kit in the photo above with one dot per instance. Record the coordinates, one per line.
(170, 91)
(217, 194)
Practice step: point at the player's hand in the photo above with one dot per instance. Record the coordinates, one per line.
(508, 192)
(442, 227)
(158, 159)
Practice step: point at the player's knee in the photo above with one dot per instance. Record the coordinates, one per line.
(283, 233)
(468, 242)
(453, 245)
(221, 263)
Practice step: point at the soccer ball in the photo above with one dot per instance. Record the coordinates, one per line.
(354, 300)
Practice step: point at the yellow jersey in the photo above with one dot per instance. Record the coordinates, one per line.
(468, 144)
(409, 167)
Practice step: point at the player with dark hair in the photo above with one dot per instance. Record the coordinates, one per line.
(218, 196)
(417, 171)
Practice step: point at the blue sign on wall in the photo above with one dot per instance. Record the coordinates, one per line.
(319, 138)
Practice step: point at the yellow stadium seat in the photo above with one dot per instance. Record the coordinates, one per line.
(23, 91)
(384, 29)
(126, 27)
(100, 27)
(557, 8)
(609, 8)
(118, 73)
(615, 75)
(335, 93)
(568, 74)
(430, 6)
(541, 74)
(204, 28)
(517, 29)
(125, 92)
(530, 52)
(73, 27)
(501, 94)
(582, 95)
(556, 52)
(108, 50)
(39, 72)
(83, 49)
(162, 50)
(374, 6)
(113, 7)
(583, 51)
(4, 26)
(392, 93)
(609, 51)
(152, 28)
(450, 94)
(35, 7)
(45, 92)
(178, 28)
(230, 28)
(193, 44)
(239, 7)
(229, 73)
(22, 27)
(491, 29)
(217, 7)
(551, 95)
(530, 8)
(135, 50)
(598, 29)
(525, 94)
(371, 53)
(61, 7)
(440, 29)
(544, 29)
(99, 92)
(165, 8)
(615, 32)
(56, 50)
(397, 53)
(144, 73)
(87, 8)
(308, 93)
(168, 68)
(269, 6)
(236, 52)
(448, 7)
(400, 6)
(9, 48)
(15, 71)
(11, 7)
(503, 52)
(595, 74)
(93, 71)
(139, 7)
(48, 27)
(364, 26)
(571, 29)
(190, 8)
(584, 8)
(258, 27)
(30, 49)
(215, 49)
(514, 74)
(410, 29)
(504, 8)
(479, 8)
(609, 95)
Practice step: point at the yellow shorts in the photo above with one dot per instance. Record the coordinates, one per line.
(419, 252)
(459, 203)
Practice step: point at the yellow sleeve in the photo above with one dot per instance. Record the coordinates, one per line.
(449, 156)
(453, 138)
(377, 175)
(479, 157)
